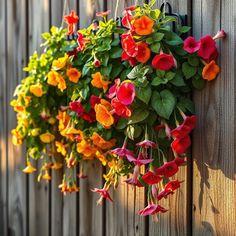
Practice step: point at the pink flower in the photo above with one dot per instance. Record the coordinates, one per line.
(134, 179)
(81, 42)
(120, 108)
(207, 47)
(190, 45)
(123, 152)
(77, 107)
(146, 144)
(152, 209)
(220, 34)
(163, 62)
(104, 194)
(112, 90)
(126, 93)
(140, 160)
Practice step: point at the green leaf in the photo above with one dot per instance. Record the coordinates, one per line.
(188, 104)
(155, 14)
(170, 75)
(198, 83)
(133, 131)
(116, 69)
(85, 70)
(183, 29)
(172, 39)
(121, 124)
(106, 70)
(144, 94)
(193, 60)
(84, 92)
(178, 80)
(138, 115)
(105, 59)
(155, 47)
(163, 103)
(116, 52)
(188, 70)
(157, 37)
(115, 42)
(134, 73)
(149, 40)
(157, 81)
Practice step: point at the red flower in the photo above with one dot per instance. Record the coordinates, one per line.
(94, 100)
(77, 107)
(71, 20)
(190, 45)
(146, 144)
(152, 209)
(81, 42)
(163, 62)
(125, 57)
(104, 194)
(151, 178)
(96, 63)
(126, 93)
(129, 45)
(90, 116)
(168, 169)
(180, 145)
(180, 161)
(207, 47)
(112, 90)
(131, 8)
(127, 18)
(120, 109)
(133, 182)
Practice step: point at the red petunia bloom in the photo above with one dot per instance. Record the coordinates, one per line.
(89, 116)
(120, 108)
(190, 45)
(129, 45)
(94, 100)
(168, 169)
(151, 178)
(180, 161)
(152, 209)
(77, 107)
(125, 57)
(81, 42)
(146, 144)
(112, 90)
(207, 47)
(144, 52)
(71, 20)
(104, 194)
(126, 93)
(163, 62)
(180, 145)
(127, 18)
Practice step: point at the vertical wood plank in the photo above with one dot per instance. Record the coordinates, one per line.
(16, 59)
(177, 220)
(214, 140)
(3, 124)
(121, 215)
(39, 206)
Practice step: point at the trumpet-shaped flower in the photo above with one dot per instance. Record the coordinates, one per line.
(71, 21)
(73, 75)
(99, 82)
(210, 71)
(143, 25)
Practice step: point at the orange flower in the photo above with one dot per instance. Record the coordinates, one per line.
(37, 90)
(60, 148)
(64, 119)
(102, 143)
(46, 176)
(73, 75)
(143, 53)
(143, 25)
(86, 150)
(99, 82)
(17, 106)
(101, 157)
(47, 137)
(103, 115)
(29, 168)
(60, 62)
(210, 71)
(61, 83)
(52, 77)
(57, 166)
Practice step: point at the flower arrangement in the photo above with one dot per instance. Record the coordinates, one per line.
(116, 94)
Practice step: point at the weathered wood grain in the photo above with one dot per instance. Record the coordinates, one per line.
(214, 189)
(39, 196)
(16, 59)
(3, 124)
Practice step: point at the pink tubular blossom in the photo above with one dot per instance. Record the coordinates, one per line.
(152, 209)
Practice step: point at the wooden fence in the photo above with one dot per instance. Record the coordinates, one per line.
(206, 203)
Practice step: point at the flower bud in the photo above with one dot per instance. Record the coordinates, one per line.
(97, 63)
(220, 34)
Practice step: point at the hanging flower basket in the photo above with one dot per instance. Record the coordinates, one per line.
(116, 94)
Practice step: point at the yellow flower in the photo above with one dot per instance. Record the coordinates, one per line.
(99, 82)
(64, 119)
(29, 168)
(86, 150)
(37, 90)
(101, 157)
(16, 137)
(52, 78)
(61, 83)
(60, 148)
(46, 176)
(35, 132)
(60, 62)
(47, 137)
(57, 166)
(52, 120)
(102, 143)
(17, 106)
(73, 75)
